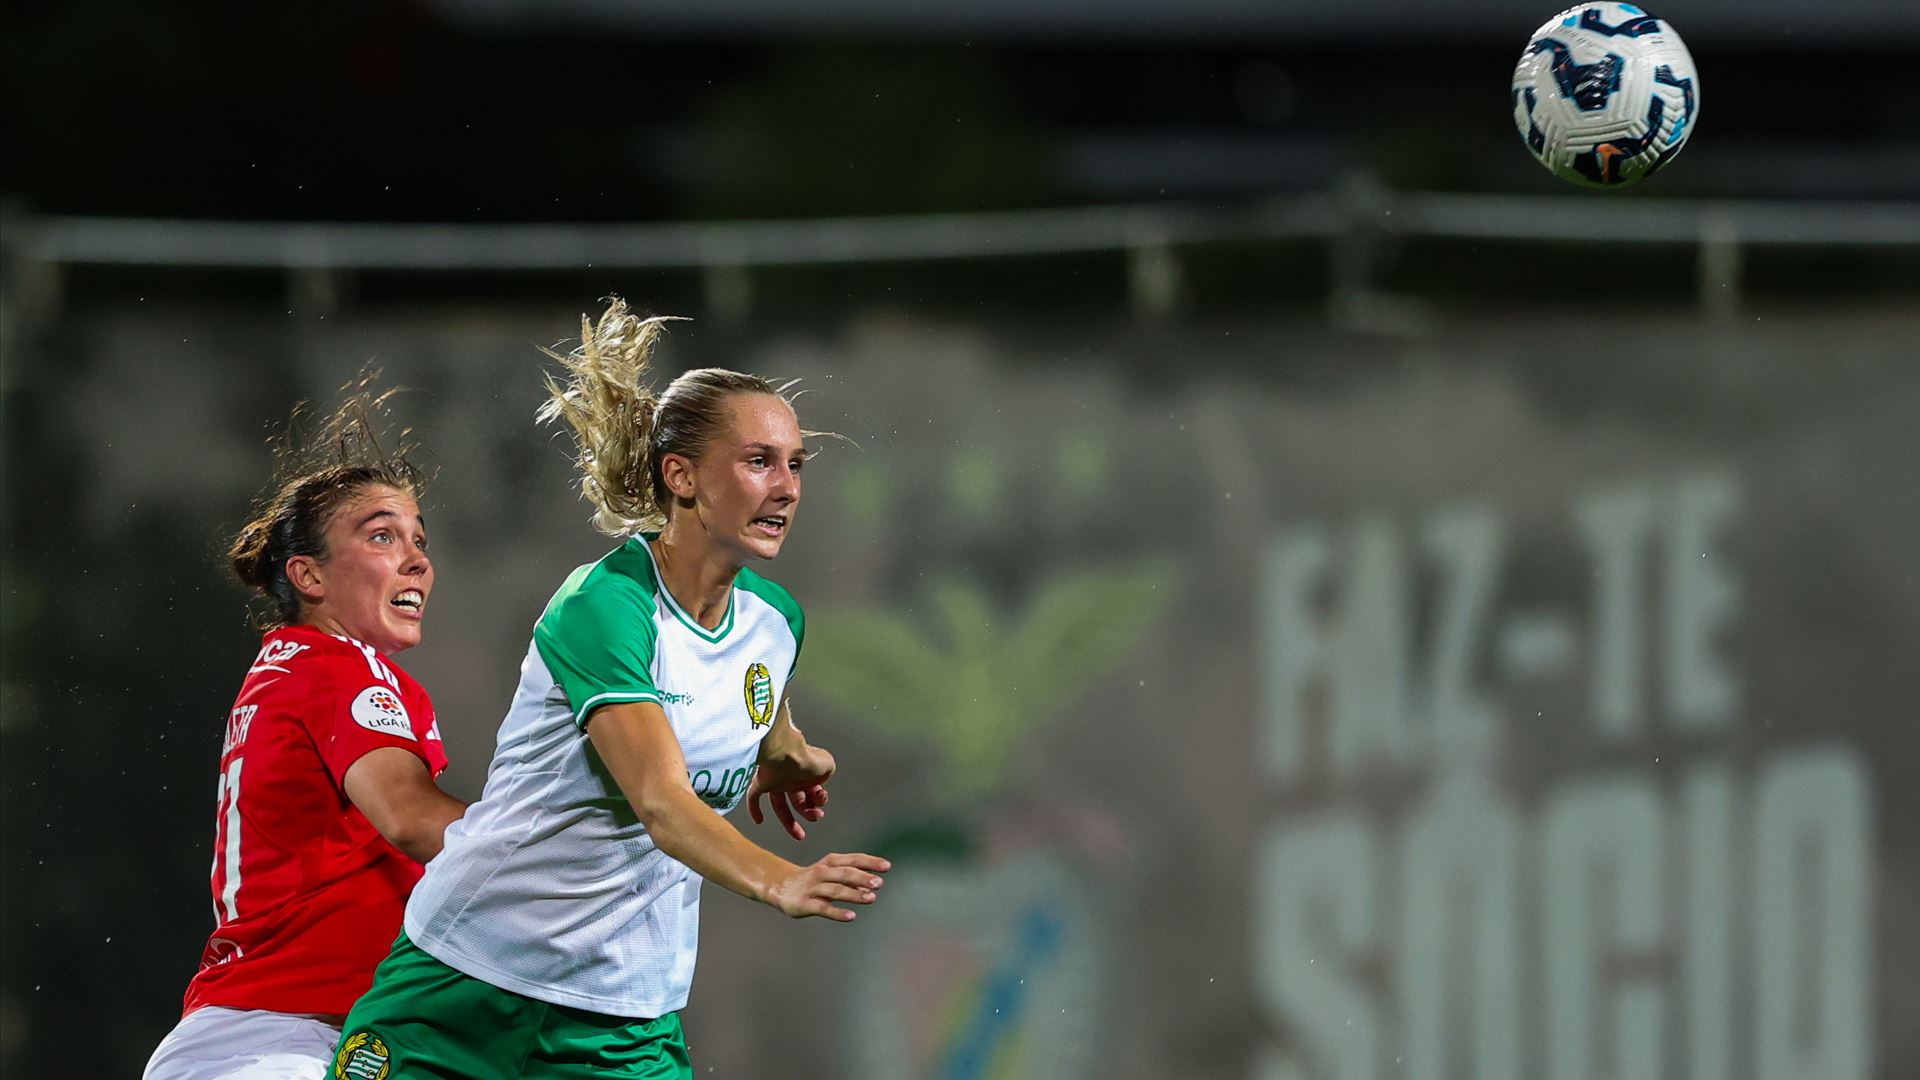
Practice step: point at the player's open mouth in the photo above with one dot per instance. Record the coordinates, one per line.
(410, 601)
(772, 524)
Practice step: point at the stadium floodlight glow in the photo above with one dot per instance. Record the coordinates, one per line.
(1605, 94)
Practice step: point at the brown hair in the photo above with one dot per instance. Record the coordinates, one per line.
(313, 477)
(622, 429)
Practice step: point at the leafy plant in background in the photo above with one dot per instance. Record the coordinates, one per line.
(977, 685)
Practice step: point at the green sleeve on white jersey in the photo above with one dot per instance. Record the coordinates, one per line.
(597, 635)
(782, 601)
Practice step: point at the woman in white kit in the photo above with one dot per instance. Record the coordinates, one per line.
(555, 935)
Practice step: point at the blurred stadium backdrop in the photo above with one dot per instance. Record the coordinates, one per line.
(1311, 597)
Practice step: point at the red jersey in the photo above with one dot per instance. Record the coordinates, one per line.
(307, 896)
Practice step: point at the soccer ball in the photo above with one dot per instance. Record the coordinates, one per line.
(1605, 94)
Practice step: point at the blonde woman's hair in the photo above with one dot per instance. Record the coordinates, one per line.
(316, 472)
(621, 429)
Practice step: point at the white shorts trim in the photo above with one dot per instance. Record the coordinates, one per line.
(218, 1043)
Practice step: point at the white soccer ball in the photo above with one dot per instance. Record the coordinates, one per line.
(1605, 94)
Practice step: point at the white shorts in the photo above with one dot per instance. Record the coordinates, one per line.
(216, 1043)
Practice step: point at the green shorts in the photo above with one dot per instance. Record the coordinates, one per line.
(422, 1020)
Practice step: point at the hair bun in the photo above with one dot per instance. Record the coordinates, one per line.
(249, 556)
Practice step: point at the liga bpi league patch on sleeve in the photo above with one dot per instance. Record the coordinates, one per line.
(378, 708)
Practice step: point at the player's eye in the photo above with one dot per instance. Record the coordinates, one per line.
(383, 537)
(797, 464)
(758, 461)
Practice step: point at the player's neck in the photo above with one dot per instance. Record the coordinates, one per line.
(327, 623)
(696, 571)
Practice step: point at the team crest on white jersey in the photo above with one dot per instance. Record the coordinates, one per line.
(378, 708)
(759, 693)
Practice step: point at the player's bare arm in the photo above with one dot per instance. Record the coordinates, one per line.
(793, 774)
(639, 749)
(393, 788)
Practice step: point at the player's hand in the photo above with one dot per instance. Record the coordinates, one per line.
(795, 787)
(837, 879)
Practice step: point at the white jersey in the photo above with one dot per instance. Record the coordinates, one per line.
(550, 886)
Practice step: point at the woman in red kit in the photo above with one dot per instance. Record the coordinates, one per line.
(326, 805)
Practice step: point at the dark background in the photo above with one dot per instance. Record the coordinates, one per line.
(409, 112)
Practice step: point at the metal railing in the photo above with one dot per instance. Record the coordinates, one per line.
(1152, 237)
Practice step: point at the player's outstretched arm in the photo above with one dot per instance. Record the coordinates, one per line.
(638, 746)
(397, 794)
(792, 774)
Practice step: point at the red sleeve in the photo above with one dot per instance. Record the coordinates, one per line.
(426, 726)
(358, 710)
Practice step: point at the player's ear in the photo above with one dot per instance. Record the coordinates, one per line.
(303, 572)
(677, 471)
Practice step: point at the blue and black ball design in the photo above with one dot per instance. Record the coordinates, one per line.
(1605, 94)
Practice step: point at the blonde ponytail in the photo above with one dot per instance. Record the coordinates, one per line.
(622, 430)
(605, 399)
